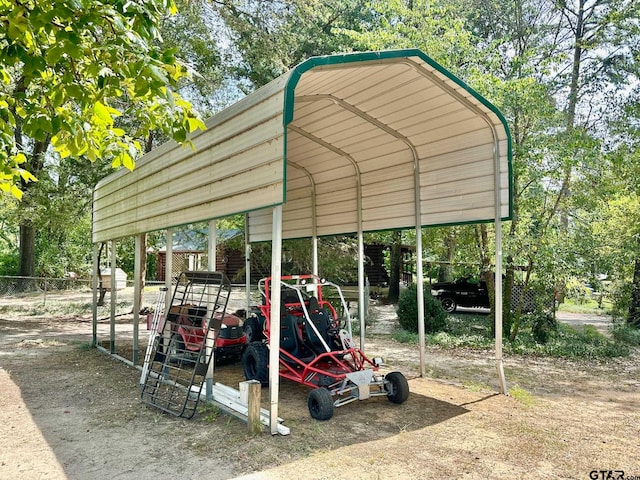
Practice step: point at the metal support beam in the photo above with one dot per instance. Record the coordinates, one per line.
(212, 251)
(138, 285)
(113, 297)
(420, 295)
(247, 264)
(94, 286)
(274, 318)
(168, 272)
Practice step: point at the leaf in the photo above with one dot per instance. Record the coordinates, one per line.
(102, 112)
(74, 91)
(27, 176)
(142, 86)
(16, 192)
(54, 54)
(6, 78)
(195, 123)
(127, 161)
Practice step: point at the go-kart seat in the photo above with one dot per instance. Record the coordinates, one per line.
(322, 322)
(290, 340)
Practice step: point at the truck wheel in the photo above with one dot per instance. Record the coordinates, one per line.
(320, 403)
(255, 362)
(397, 387)
(449, 304)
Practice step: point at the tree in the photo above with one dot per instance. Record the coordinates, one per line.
(269, 38)
(71, 70)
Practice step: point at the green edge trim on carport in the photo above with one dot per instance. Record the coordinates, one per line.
(311, 63)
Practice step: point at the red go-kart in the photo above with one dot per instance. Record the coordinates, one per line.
(317, 350)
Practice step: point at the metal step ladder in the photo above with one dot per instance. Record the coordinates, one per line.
(181, 348)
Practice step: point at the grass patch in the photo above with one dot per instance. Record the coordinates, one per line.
(625, 334)
(209, 411)
(588, 306)
(521, 395)
(56, 308)
(475, 332)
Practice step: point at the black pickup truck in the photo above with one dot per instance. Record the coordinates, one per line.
(463, 292)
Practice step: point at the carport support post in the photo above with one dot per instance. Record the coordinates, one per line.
(274, 318)
(498, 308)
(139, 257)
(420, 298)
(498, 273)
(168, 271)
(247, 264)
(361, 300)
(94, 286)
(212, 247)
(112, 331)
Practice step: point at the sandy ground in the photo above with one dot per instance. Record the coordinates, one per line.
(70, 412)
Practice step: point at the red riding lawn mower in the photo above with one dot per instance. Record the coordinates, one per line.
(316, 349)
(188, 332)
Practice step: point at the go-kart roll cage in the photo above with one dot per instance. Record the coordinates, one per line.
(346, 372)
(302, 282)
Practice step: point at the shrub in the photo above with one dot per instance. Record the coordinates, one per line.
(434, 315)
(543, 325)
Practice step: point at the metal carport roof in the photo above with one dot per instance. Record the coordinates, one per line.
(344, 134)
(340, 144)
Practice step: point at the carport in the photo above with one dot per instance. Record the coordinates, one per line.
(340, 144)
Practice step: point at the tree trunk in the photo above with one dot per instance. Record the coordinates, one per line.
(574, 88)
(396, 266)
(27, 266)
(35, 165)
(634, 309)
(445, 272)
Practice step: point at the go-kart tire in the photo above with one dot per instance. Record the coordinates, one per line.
(449, 304)
(252, 330)
(255, 363)
(397, 387)
(320, 403)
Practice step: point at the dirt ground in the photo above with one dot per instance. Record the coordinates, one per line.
(68, 411)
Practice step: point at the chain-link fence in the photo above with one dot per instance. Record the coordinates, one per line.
(75, 295)
(16, 286)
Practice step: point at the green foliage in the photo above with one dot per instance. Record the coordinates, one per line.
(542, 326)
(625, 333)
(270, 38)
(562, 341)
(337, 258)
(434, 315)
(71, 69)
(9, 263)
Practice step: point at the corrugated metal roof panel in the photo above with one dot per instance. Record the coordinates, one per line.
(353, 124)
(241, 152)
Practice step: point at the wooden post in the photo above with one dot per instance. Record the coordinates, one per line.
(252, 389)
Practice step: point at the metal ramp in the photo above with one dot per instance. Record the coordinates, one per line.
(181, 343)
